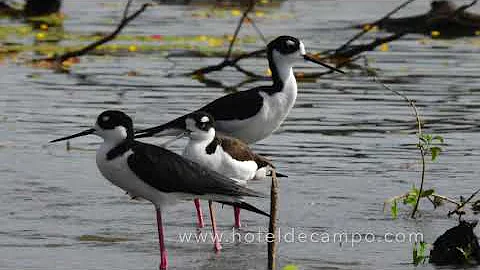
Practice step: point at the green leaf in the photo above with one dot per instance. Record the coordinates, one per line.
(411, 199)
(435, 152)
(427, 193)
(423, 248)
(394, 209)
(419, 250)
(438, 138)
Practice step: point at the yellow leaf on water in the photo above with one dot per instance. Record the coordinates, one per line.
(384, 47)
(290, 267)
(40, 36)
(215, 42)
(236, 12)
(259, 14)
(132, 48)
(44, 26)
(268, 72)
(435, 33)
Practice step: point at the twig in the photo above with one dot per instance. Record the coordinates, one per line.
(272, 228)
(464, 7)
(227, 61)
(419, 134)
(259, 33)
(124, 22)
(239, 26)
(443, 198)
(463, 203)
(367, 29)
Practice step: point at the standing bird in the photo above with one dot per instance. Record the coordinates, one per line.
(225, 155)
(252, 115)
(156, 174)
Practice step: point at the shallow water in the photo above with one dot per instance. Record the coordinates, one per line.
(347, 145)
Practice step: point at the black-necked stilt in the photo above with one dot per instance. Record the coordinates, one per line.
(254, 114)
(156, 174)
(225, 155)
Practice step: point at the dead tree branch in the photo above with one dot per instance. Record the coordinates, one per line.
(228, 61)
(367, 29)
(85, 50)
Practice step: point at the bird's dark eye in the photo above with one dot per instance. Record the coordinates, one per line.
(289, 46)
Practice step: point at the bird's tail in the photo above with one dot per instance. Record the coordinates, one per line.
(245, 206)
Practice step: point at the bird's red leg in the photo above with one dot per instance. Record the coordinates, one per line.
(236, 211)
(163, 251)
(199, 213)
(216, 240)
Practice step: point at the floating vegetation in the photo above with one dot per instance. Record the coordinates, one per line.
(101, 238)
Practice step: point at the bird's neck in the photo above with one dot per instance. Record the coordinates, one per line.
(118, 148)
(282, 73)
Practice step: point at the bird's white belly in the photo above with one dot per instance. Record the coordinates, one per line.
(118, 173)
(220, 162)
(239, 170)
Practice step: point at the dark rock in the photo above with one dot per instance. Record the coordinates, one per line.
(447, 249)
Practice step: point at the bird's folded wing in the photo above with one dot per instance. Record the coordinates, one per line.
(169, 172)
(237, 106)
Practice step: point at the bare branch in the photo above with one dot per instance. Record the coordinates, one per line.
(125, 21)
(239, 26)
(367, 29)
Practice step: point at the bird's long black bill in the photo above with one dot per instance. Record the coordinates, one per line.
(246, 206)
(83, 133)
(316, 61)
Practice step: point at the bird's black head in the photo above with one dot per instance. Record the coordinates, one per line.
(111, 119)
(286, 45)
(114, 126)
(283, 52)
(200, 126)
(202, 120)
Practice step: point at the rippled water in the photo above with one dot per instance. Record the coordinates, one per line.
(347, 145)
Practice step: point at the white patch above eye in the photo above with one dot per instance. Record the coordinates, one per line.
(290, 42)
(302, 49)
(204, 119)
(105, 118)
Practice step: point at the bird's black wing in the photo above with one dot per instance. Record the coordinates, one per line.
(237, 106)
(169, 172)
(240, 105)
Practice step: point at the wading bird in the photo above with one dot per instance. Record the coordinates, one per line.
(156, 174)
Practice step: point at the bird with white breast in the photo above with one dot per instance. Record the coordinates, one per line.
(157, 174)
(254, 114)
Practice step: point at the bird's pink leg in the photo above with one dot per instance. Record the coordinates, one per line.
(236, 211)
(163, 251)
(216, 240)
(201, 224)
